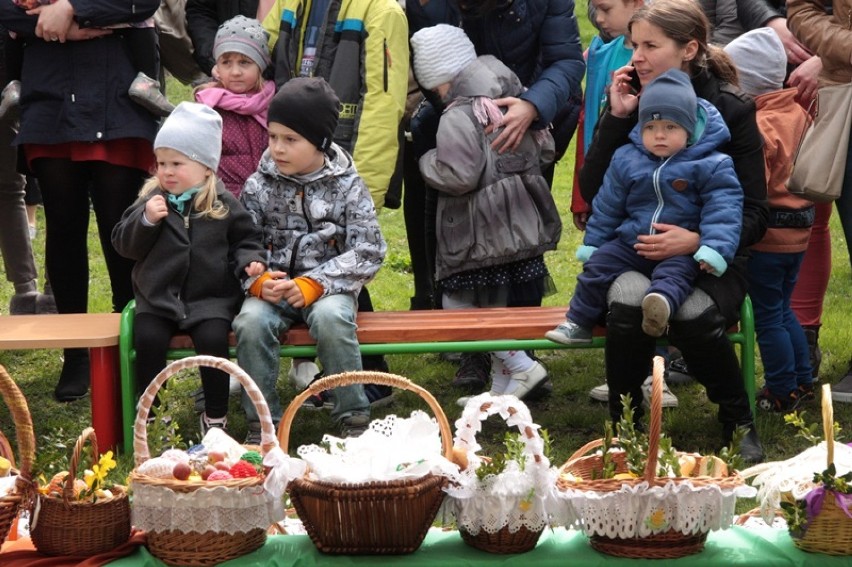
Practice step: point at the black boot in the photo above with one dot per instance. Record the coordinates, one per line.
(751, 450)
(74, 379)
(812, 335)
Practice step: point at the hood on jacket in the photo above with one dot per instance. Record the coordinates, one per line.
(710, 132)
(482, 77)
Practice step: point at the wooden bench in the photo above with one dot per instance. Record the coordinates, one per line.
(98, 332)
(418, 332)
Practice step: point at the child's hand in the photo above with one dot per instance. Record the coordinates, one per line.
(255, 269)
(705, 267)
(156, 209)
(623, 98)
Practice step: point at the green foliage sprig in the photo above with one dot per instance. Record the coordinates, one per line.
(514, 445)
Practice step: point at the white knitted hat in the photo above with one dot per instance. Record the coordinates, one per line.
(760, 59)
(195, 130)
(440, 53)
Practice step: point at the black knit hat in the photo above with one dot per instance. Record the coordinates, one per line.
(308, 106)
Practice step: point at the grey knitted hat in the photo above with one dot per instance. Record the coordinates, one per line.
(440, 53)
(670, 97)
(760, 59)
(194, 130)
(243, 35)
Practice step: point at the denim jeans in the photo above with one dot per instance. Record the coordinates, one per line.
(331, 321)
(783, 347)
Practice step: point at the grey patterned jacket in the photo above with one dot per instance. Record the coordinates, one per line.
(322, 226)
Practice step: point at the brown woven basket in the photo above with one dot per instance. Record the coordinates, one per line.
(665, 545)
(829, 531)
(66, 526)
(372, 518)
(176, 547)
(18, 499)
(504, 541)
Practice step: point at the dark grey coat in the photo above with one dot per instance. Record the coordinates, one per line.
(188, 269)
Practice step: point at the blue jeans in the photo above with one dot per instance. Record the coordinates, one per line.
(783, 347)
(331, 321)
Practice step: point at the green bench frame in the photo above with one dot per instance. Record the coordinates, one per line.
(498, 337)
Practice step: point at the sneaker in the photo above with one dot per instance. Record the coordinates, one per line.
(569, 333)
(10, 98)
(379, 396)
(677, 372)
(354, 425)
(462, 402)
(302, 373)
(842, 391)
(253, 435)
(655, 314)
(522, 384)
(206, 423)
(543, 390)
(317, 402)
(473, 371)
(669, 399)
(767, 401)
(145, 92)
(600, 393)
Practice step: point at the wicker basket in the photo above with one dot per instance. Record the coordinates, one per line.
(169, 540)
(662, 544)
(371, 518)
(18, 499)
(830, 530)
(514, 536)
(66, 526)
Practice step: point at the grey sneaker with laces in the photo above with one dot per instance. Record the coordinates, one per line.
(354, 425)
(207, 423)
(569, 333)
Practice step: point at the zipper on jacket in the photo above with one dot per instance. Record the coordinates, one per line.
(388, 63)
(659, 194)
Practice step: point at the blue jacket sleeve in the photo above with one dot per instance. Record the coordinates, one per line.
(719, 229)
(608, 208)
(562, 62)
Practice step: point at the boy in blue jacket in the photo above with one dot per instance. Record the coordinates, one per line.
(672, 173)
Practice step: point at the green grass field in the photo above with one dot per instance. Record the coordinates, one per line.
(570, 416)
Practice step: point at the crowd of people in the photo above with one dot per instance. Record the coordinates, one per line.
(256, 205)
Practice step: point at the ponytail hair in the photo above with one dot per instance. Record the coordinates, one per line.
(683, 21)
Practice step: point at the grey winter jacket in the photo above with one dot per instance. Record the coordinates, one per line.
(493, 209)
(322, 226)
(188, 268)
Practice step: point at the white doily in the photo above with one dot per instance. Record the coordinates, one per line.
(640, 510)
(794, 476)
(514, 498)
(220, 509)
(392, 448)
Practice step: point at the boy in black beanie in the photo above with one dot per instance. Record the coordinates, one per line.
(324, 243)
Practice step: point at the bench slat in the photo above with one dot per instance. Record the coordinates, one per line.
(67, 330)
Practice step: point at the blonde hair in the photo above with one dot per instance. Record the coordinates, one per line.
(205, 201)
(683, 21)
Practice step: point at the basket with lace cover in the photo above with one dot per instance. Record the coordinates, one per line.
(376, 494)
(16, 485)
(662, 512)
(193, 520)
(502, 505)
(813, 490)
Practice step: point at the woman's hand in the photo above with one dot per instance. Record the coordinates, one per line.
(623, 98)
(518, 117)
(797, 53)
(805, 79)
(669, 240)
(54, 20)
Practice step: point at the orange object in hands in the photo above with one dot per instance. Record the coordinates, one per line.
(256, 288)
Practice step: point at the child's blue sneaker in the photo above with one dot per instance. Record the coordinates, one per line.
(569, 333)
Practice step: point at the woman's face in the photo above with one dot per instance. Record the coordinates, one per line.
(654, 52)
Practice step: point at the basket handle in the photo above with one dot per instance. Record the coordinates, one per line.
(359, 377)
(655, 427)
(583, 451)
(68, 488)
(490, 405)
(828, 424)
(20, 412)
(140, 427)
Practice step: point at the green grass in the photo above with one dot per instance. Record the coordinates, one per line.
(570, 416)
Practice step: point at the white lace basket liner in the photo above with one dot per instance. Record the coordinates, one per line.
(515, 498)
(649, 506)
(226, 506)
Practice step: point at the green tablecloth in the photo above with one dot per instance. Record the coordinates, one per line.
(763, 547)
